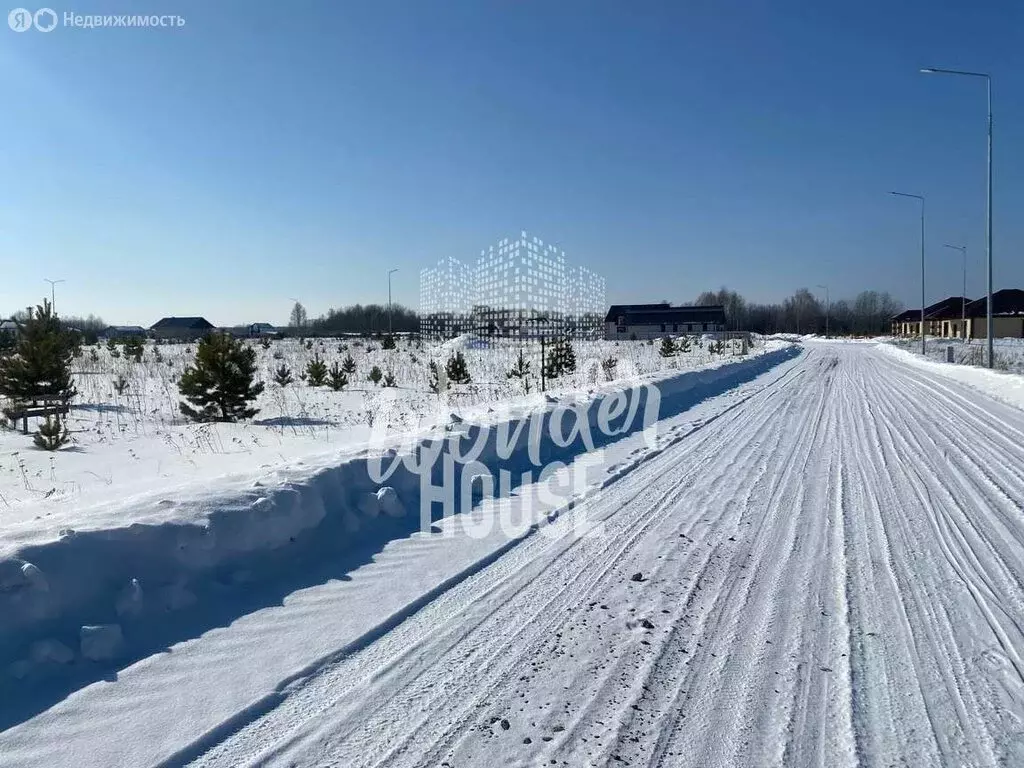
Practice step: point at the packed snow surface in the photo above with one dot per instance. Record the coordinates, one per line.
(821, 566)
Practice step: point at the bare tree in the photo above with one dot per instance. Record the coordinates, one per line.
(298, 317)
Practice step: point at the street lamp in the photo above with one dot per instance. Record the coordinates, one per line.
(390, 271)
(828, 303)
(963, 308)
(53, 303)
(921, 198)
(988, 206)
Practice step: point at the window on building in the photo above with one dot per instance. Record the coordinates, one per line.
(662, 327)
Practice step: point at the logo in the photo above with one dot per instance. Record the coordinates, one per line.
(22, 19)
(45, 19)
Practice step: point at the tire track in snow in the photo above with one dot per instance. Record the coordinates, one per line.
(402, 643)
(834, 574)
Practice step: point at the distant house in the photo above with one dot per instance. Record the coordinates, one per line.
(647, 321)
(1007, 315)
(124, 332)
(9, 326)
(262, 330)
(906, 323)
(181, 328)
(252, 331)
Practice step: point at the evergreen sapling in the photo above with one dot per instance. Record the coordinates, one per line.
(219, 385)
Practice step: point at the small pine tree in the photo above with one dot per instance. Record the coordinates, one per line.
(112, 346)
(608, 365)
(120, 385)
(283, 375)
(41, 363)
(316, 371)
(265, 342)
(309, 344)
(521, 371)
(388, 343)
(52, 434)
(668, 347)
(561, 358)
(457, 370)
(8, 342)
(133, 348)
(338, 380)
(348, 365)
(375, 375)
(94, 356)
(632, 336)
(684, 344)
(435, 382)
(389, 380)
(219, 385)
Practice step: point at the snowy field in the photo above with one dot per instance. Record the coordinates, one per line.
(137, 442)
(817, 562)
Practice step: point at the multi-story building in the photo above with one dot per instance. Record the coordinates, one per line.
(446, 299)
(519, 288)
(585, 302)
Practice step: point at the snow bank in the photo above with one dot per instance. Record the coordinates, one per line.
(103, 595)
(1003, 386)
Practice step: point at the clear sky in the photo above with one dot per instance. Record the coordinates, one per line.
(266, 151)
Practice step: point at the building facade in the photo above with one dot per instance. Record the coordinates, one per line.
(446, 300)
(519, 288)
(649, 321)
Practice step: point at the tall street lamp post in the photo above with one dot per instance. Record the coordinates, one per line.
(988, 206)
(921, 198)
(390, 272)
(963, 304)
(828, 305)
(53, 301)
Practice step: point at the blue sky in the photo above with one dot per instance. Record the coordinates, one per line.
(268, 150)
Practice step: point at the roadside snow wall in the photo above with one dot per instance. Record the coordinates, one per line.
(144, 586)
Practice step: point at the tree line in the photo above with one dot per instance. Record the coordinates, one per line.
(868, 313)
(367, 319)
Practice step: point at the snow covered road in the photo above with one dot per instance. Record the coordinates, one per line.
(828, 572)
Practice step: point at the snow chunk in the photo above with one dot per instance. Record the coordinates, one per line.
(51, 651)
(129, 602)
(389, 503)
(101, 642)
(35, 577)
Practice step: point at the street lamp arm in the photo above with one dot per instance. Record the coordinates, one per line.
(938, 71)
